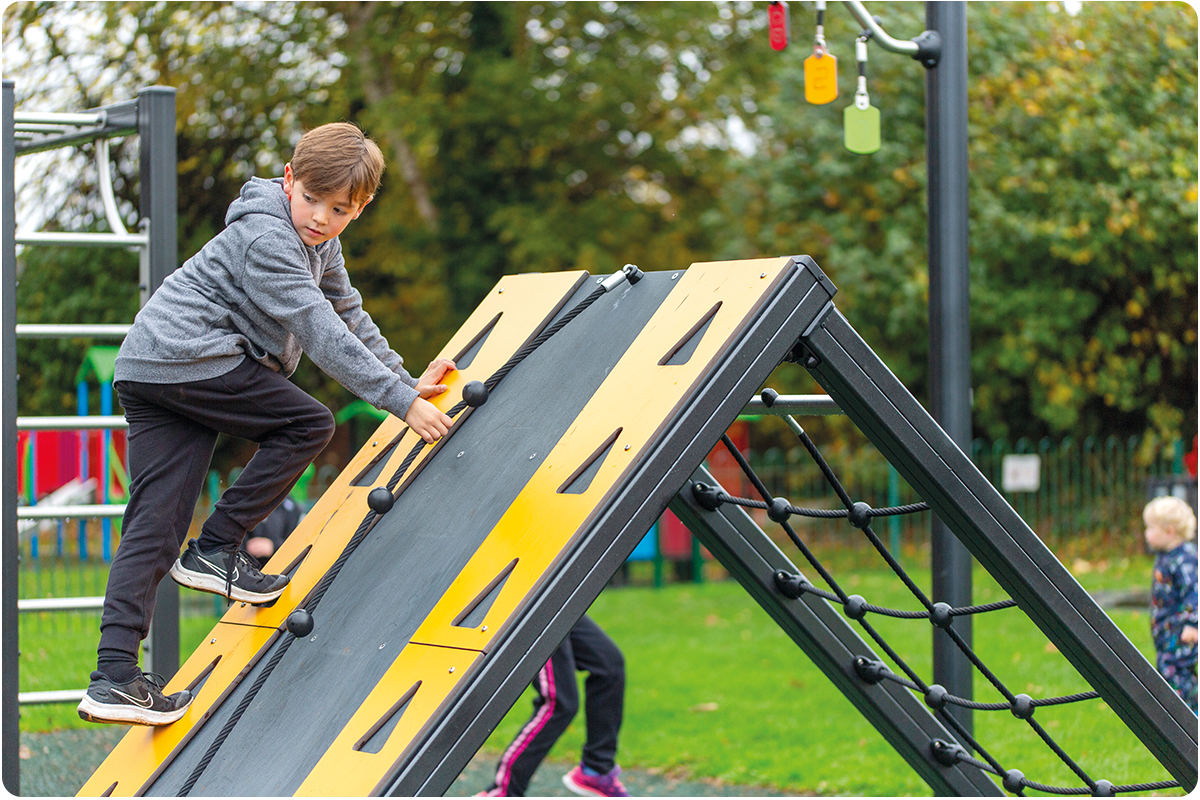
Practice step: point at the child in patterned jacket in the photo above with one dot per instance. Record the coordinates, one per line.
(1171, 533)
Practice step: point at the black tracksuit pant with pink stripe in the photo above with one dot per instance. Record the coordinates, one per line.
(588, 649)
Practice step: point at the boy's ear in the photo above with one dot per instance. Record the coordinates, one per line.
(288, 179)
(370, 197)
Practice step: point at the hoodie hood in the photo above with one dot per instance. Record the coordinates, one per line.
(260, 196)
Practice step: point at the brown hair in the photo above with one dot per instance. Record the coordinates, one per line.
(338, 157)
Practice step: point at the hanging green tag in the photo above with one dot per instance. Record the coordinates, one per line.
(862, 128)
(861, 120)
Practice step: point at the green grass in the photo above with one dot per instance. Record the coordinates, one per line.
(716, 690)
(58, 651)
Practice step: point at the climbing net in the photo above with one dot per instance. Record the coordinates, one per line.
(940, 615)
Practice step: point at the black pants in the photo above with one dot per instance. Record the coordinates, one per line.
(587, 648)
(173, 429)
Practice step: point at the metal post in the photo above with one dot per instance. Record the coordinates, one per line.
(949, 315)
(9, 539)
(159, 205)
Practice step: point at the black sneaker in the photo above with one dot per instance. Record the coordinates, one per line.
(229, 572)
(139, 702)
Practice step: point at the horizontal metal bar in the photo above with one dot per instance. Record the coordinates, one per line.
(31, 128)
(64, 512)
(38, 331)
(812, 404)
(118, 119)
(60, 604)
(49, 698)
(107, 422)
(86, 239)
(56, 118)
(878, 34)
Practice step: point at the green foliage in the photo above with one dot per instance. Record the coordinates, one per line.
(1083, 213)
(1084, 199)
(549, 136)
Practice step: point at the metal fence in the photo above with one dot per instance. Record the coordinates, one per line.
(1089, 499)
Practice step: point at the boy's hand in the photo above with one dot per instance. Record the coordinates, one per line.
(1188, 634)
(429, 384)
(427, 421)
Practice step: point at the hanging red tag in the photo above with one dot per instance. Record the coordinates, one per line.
(777, 17)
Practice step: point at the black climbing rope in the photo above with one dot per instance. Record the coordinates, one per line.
(940, 615)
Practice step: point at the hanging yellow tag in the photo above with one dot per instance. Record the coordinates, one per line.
(820, 77)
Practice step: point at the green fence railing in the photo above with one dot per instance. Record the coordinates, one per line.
(1089, 498)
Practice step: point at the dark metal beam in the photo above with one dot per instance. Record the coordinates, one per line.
(159, 206)
(949, 314)
(607, 540)
(10, 550)
(995, 534)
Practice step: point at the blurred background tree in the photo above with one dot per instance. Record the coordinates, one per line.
(547, 136)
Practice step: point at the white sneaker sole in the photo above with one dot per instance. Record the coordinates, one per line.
(203, 582)
(577, 789)
(92, 711)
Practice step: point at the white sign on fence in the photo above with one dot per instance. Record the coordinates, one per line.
(1021, 473)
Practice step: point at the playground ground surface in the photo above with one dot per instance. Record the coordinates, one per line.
(719, 702)
(56, 764)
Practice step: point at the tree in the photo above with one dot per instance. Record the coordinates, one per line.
(548, 136)
(1083, 213)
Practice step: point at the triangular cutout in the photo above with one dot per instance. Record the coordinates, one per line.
(373, 470)
(375, 737)
(473, 615)
(198, 682)
(108, 792)
(297, 561)
(682, 351)
(288, 571)
(582, 477)
(464, 359)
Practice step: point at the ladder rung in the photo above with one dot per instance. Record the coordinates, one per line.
(47, 698)
(71, 423)
(58, 118)
(31, 604)
(817, 404)
(39, 331)
(85, 239)
(64, 512)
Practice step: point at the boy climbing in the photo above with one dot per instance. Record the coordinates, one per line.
(211, 353)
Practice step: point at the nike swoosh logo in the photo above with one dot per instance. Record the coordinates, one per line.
(143, 703)
(219, 570)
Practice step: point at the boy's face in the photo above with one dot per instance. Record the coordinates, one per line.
(1160, 538)
(318, 218)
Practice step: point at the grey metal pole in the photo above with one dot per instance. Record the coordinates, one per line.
(949, 317)
(159, 205)
(9, 541)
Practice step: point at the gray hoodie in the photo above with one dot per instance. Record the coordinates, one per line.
(257, 290)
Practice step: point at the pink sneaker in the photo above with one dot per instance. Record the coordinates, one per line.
(605, 785)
